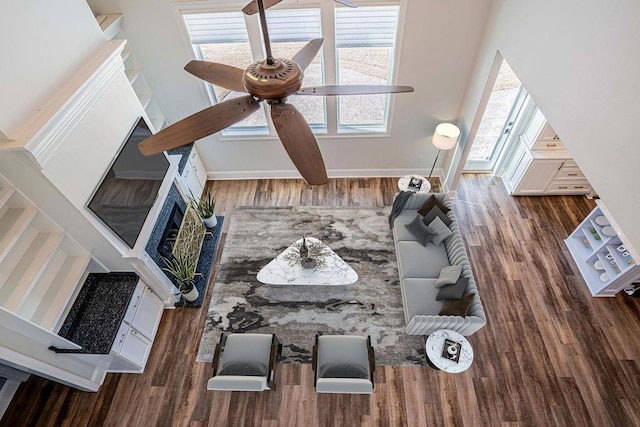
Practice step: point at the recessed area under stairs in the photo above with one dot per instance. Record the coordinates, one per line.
(40, 265)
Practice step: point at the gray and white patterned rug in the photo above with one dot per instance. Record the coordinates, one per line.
(372, 306)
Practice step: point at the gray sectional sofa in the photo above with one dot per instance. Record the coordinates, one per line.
(419, 267)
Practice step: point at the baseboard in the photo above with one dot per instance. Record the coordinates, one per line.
(331, 173)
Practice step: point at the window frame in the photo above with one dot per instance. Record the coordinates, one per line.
(330, 63)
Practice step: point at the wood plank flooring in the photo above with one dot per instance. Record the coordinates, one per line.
(550, 355)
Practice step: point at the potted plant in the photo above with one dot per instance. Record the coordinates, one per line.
(205, 207)
(184, 270)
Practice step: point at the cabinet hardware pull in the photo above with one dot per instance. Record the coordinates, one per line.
(573, 174)
(579, 186)
(551, 145)
(563, 186)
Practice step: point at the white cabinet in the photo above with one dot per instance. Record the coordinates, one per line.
(133, 343)
(606, 261)
(194, 175)
(539, 135)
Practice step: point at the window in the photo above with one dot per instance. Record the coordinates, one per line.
(365, 38)
(361, 49)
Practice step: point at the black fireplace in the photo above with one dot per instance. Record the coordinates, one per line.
(170, 233)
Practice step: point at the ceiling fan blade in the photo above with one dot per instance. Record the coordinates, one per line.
(305, 55)
(200, 124)
(226, 76)
(346, 3)
(301, 145)
(352, 90)
(252, 8)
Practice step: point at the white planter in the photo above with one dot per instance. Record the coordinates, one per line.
(210, 222)
(192, 295)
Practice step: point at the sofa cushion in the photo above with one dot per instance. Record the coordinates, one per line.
(449, 275)
(430, 203)
(419, 297)
(434, 213)
(439, 231)
(421, 232)
(244, 369)
(343, 370)
(415, 260)
(454, 291)
(399, 229)
(457, 307)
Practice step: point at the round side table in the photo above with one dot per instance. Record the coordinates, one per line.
(449, 351)
(403, 183)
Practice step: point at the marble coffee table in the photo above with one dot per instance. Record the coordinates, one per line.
(282, 271)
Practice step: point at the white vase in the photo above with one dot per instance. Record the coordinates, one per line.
(210, 222)
(192, 295)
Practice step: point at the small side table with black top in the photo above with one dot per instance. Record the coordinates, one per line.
(449, 351)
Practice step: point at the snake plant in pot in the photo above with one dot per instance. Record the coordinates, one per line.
(184, 271)
(205, 207)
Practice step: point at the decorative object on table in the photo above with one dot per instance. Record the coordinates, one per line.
(444, 138)
(205, 208)
(415, 183)
(451, 350)
(184, 270)
(309, 254)
(370, 306)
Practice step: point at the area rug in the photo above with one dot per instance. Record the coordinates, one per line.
(372, 306)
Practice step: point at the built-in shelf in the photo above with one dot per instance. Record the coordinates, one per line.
(606, 261)
(111, 25)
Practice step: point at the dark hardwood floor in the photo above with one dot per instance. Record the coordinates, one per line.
(550, 354)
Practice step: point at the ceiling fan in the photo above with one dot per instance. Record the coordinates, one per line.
(271, 80)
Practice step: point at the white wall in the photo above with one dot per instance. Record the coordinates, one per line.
(437, 59)
(42, 43)
(579, 61)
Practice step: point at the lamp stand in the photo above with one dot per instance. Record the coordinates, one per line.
(434, 164)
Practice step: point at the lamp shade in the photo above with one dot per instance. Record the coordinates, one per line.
(446, 136)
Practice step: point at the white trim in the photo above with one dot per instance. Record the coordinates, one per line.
(7, 392)
(43, 133)
(4, 138)
(333, 173)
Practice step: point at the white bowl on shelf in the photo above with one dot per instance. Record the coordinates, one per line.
(609, 231)
(601, 220)
(598, 265)
(604, 277)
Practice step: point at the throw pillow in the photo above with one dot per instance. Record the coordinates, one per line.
(457, 307)
(343, 370)
(434, 213)
(420, 231)
(430, 203)
(251, 369)
(449, 275)
(440, 230)
(454, 291)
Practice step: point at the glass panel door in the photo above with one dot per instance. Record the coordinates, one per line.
(504, 105)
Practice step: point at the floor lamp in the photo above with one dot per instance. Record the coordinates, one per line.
(444, 138)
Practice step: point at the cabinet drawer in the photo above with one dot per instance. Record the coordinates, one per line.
(570, 164)
(548, 145)
(148, 316)
(569, 187)
(570, 173)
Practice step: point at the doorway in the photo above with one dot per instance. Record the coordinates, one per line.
(503, 107)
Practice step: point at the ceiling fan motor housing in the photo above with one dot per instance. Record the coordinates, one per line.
(272, 81)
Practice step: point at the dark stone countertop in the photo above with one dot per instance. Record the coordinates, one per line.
(183, 151)
(96, 314)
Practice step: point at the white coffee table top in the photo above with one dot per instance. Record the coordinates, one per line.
(435, 347)
(281, 271)
(403, 183)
